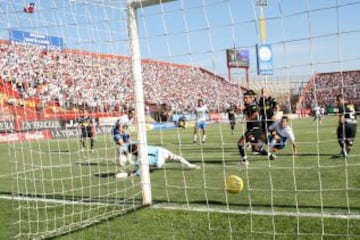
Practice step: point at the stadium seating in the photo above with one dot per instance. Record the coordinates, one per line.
(56, 82)
(322, 89)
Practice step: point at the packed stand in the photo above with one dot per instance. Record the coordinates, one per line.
(71, 80)
(326, 86)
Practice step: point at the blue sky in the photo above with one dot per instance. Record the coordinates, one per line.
(307, 36)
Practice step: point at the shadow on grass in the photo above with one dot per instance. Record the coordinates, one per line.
(285, 206)
(61, 151)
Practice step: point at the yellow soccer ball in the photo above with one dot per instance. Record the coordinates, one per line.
(234, 184)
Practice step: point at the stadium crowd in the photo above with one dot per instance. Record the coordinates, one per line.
(74, 79)
(326, 86)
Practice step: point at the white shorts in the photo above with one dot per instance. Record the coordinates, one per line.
(163, 155)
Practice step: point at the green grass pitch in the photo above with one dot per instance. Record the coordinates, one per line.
(293, 197)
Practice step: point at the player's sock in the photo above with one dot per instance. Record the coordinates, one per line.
(241, 150)
(204, 138)
(194, 138)
(342, 144)
(344, 153)
(91, 143)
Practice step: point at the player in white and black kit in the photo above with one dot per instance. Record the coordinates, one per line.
(346, 130)
(317, 114)
(254, 131)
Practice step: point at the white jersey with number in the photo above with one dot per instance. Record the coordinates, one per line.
(201, 113)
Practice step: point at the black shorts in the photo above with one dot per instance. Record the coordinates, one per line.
(86, 133)
(265, 124)
(346, 132)
(253, 134)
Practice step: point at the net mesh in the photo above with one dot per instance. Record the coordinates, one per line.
(61, 188)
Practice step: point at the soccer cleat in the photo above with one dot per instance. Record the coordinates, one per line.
(83, 150)
(194, 142)
(244, 161)
(121, 175)
(203, 142)
(272, 156)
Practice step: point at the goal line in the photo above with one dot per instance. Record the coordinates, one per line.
(182, 207)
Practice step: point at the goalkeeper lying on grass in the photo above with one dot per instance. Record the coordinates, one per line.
(157, 156)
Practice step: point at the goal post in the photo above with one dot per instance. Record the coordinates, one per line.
(139, 97)
(133, 5)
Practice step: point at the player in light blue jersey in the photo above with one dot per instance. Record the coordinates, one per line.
(157, 157)
(201, 112)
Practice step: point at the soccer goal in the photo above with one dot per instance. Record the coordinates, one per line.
(70, 69)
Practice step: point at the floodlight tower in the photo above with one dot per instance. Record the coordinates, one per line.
(132, 6)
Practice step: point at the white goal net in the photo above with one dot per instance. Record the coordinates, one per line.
(69, 65)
